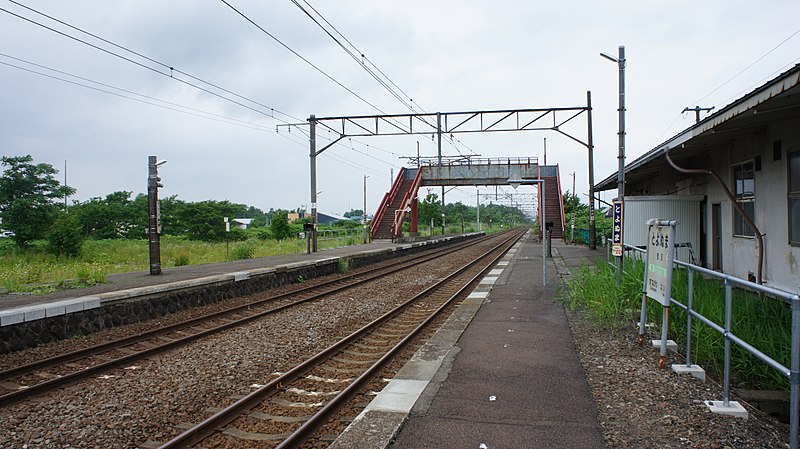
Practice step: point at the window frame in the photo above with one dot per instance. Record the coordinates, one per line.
(790, 194)
(741, 197)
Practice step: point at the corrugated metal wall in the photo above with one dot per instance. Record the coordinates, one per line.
(683, 208)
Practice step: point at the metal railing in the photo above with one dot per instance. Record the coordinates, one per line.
(792, 299)
(337, 238)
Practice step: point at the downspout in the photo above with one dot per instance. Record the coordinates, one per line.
(736, 205)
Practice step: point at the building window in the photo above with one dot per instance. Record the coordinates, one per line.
(794, 197)
(744, 182)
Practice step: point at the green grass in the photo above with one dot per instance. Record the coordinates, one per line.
(33, 270)
(763, 322)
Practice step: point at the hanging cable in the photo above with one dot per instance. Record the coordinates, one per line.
(169, 74)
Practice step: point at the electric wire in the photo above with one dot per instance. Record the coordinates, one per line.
(795, 33)
(347, 50)
(145, 66)
(748, 67)
(409, 104)
(220, 118)
(263, 30)
(227, 120)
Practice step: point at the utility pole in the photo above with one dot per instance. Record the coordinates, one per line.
(478, 208)
(697, 110)
(153, 227)
(572, 226)
(312, 125)
(65, 183)
(439, 146)
(365, 209)
(545, 151)
(590, 148)
(621, 62)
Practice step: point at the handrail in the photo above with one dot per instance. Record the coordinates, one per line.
(561, 203)
(397, 227)
(388, 198)
(792, 373)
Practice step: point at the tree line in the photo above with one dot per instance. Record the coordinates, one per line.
(33, 207)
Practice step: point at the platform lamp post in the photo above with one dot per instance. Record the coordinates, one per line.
(364, 220)
(621, 62)
(515, 181)
(153, 225)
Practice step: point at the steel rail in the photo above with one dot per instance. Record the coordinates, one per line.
(309, 427)
(48, 385)
(202, 430)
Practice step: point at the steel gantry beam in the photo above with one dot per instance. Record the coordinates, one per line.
(536, 119)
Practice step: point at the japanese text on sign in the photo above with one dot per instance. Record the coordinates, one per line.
(616, 235)
(660, 250)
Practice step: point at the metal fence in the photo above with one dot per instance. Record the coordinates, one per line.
(337, 238)
(729, 282)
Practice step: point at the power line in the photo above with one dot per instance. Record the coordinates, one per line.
(796, 32)
(171, 69)
(347, 50)
(209, 116)
(225, 119)
(747, 68)
(301, 57)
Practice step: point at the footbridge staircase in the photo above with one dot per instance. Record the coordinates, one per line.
(401, 200)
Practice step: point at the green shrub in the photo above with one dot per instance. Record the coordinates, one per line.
(180, 260)
(64, 237)
(244, 250)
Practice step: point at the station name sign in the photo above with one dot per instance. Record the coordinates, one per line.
(660, 254)
(616, 236)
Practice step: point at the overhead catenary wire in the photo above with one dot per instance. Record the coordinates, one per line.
(200, 113)
(172, 70)
(209, 116)
(290, 49)
(348, 51)
(354, 54)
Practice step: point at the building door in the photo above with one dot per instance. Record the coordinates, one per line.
(716, 236)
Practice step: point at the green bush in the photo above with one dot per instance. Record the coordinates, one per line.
(64, 237)
(244, 250)
(180, 260)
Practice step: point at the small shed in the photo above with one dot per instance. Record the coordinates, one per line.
(685, 209)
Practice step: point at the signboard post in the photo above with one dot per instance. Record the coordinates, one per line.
(658, 274)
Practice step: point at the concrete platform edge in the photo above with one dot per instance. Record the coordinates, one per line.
(376, 426)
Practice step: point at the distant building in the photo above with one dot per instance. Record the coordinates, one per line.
(242, 223)
(293, 216)
(328, 219)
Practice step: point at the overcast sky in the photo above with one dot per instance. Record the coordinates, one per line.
(445, 55)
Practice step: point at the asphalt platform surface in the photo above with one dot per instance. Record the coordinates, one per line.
(514, 379)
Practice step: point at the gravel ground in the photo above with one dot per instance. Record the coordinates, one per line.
(641, 406)
(150, 401)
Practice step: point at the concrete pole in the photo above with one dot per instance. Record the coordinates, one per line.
(590, 147)
(366, 232)
(439, 149)
(572, 225)
(152, 216)
(313, 156)
(478, 209)
(621, 158)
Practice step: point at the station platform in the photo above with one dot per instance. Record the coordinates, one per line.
(123, 281)
(211, 280)
(503, 372)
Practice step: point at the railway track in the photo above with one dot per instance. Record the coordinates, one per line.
(302, 402)
(23, 382)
